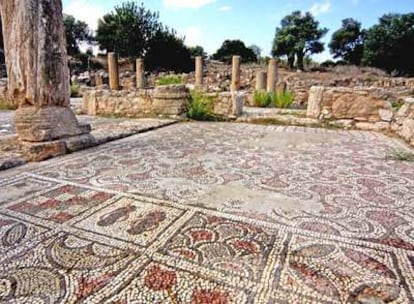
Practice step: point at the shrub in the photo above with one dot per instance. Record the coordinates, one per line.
(168, 80)
(282, 99)
(74, 89)
(262, 99)
(200, 107)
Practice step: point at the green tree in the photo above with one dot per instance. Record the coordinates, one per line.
(128, 30)
(77, 32)
(348, 42)
(389, 45)
(232, 48)
(167, 52)
(299, 35)
(256, 50)
(197, 51)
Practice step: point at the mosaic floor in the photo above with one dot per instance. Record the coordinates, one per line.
(212, 213)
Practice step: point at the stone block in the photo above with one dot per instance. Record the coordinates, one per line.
(47, 123)
(314, 102)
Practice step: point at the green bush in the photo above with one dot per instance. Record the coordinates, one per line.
(282, 99)
(168, 80)
(200, 107)
(262, 99)
(74, 89)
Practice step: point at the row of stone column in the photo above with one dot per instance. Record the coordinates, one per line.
(261, 83)
(113, 72)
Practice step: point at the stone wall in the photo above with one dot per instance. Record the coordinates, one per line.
(227, 104)
(403, 123)
(164, 100)
(361, 108)
(300, 84)
(172, 100)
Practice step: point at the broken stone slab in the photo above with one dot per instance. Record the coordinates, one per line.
(36, 152)
(47, 123)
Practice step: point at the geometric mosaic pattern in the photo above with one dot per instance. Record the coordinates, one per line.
(212, 213)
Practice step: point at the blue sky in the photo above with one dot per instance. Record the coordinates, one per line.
(209, 22)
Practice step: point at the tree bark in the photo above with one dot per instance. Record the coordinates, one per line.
(35, 52)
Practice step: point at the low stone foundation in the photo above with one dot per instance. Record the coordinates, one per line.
(170, 101)
(361, 108)
(164, 100)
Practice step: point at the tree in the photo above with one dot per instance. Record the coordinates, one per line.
(231, 48)
(256, 50)
(299, 35)
(389, 45)
(167, 52)
(197, 51)
(348, 42)
(77, 32)
(128, 30)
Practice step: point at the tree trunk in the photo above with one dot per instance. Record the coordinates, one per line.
(37, 66)
(300, 57)
(291, 61)
(35, 50)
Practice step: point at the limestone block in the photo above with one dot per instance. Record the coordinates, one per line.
(170, 100)
(39, 151)
(47, 123)
(351, 106)
(314, 102)
(386, 115)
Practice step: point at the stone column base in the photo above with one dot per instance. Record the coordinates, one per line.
(47, 123)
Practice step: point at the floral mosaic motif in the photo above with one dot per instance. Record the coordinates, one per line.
(130, 220)
(255, 215)
(185, 162)
(14, 233)
(61, 269)
(62, 204)
(159, 283)
(224, 245)
(340, 274)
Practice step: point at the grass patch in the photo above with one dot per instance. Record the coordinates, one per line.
(400, 155)
(169, 80)
(283, 99)
(262, 99)
(74, 89)
(396, 105)
(200, 107)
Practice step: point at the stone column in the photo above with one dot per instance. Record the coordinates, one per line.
(113, 71)
(37, 68)
(198, 71)
(272, 76)
(140, 74)
(235, 77)
(260, 81)
(98, 80)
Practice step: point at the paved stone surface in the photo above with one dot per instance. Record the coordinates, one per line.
(212, 213)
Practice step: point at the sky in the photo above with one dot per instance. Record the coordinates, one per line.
(209, 22)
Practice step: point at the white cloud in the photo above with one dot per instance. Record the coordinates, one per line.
(193, 36)
(186, 3)
(85, 11)
(225, 8)
(320, 8)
